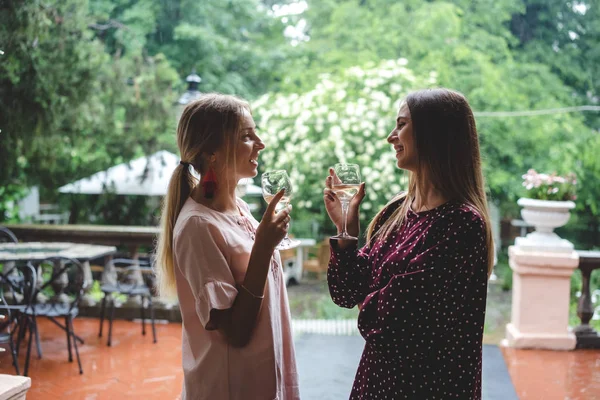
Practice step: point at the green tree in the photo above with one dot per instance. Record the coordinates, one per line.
(564, 36)
(70, 108)
(469, 44)
(46, 76)
(235, 46)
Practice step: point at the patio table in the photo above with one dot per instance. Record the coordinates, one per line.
(296, 268)
(38, 251)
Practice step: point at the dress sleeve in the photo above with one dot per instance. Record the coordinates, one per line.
(347, 275)
(432, 288)
(200, 251)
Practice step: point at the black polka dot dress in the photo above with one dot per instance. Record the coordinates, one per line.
(422, 294)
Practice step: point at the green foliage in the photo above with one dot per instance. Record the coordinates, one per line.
(344, 118)
(235, 46)
(71, 111)
(472, 48)
(95, 292)
(46, 76)
(564, 36)
(587, 168)
(314, 302)
(92, 83)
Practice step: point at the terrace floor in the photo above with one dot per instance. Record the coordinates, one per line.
(134, 367)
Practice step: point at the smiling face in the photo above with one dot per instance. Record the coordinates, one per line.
(237, 158)
(402, 138)
(248, 147)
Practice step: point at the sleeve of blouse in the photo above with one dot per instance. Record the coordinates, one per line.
(347, 275)
(199, 250)
(432, 287)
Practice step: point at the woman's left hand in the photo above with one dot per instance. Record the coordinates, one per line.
(334, 206)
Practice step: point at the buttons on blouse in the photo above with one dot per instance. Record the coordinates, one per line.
(244, 223)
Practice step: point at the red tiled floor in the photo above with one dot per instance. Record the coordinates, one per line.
(554, 375)
(133, 368)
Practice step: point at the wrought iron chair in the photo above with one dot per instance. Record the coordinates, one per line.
(6, 236)
(20, 283)
(132, 278)
(57, 296)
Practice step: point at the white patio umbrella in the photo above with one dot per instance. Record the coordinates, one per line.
(145, 176)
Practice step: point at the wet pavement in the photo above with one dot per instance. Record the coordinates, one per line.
(135, 368)
(554, 375)
(327, 365)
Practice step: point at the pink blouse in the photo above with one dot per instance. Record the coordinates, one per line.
(211, 254)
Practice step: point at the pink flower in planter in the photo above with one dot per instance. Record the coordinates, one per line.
(549, 186)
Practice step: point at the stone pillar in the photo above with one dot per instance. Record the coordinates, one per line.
(540, 298)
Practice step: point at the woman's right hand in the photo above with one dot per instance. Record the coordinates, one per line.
(334, 206)
(273, 227)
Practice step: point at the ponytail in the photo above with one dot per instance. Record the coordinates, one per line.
(180, 186)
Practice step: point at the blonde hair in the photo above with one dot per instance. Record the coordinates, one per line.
(211, 123)
(447, 147)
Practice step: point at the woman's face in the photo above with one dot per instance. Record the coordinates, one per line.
(247, 149)
(401, 137)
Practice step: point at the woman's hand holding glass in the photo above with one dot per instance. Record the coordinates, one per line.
(273, 226)
(272, 183)
(343, 194)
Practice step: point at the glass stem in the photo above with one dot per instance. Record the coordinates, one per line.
(345, 206)
(278, 209)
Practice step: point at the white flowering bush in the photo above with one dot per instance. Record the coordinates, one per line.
(345, 118)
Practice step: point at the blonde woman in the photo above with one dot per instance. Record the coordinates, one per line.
(222, 264)
(420, 282)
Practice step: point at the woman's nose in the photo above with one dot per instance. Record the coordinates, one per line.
(392, 136)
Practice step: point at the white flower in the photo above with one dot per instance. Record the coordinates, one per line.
(346, 117)
(371, 83)
(345, 123)
(335, 132)
(395, 88)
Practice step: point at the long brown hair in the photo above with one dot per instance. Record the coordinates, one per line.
(206, 125)
(447, 147)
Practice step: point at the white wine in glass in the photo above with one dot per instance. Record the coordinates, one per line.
(345, 192)
(346, 184)
(272, 183)
(283, 202)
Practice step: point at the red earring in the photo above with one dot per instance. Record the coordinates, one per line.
(209, 183)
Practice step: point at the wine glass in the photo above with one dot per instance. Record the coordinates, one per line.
(346, 184)
(272, 183)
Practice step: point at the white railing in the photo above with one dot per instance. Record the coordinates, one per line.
(343, 327)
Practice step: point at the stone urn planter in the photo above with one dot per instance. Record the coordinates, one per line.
(545, 216)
